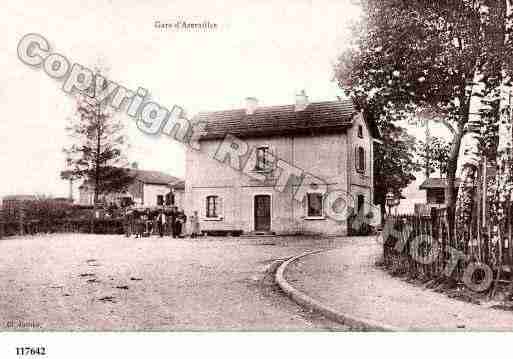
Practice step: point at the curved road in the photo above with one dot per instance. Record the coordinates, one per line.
(91, 282)
(348, 280)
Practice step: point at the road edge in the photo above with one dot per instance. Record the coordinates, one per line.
(305, 300)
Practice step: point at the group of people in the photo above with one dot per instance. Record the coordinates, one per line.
(161, 221)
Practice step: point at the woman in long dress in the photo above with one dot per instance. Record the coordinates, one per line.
(195, 225)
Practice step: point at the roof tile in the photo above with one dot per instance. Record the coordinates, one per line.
(279, 120)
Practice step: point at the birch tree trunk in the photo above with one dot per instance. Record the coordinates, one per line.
(503, 179)
(469, 162)
(469, 150)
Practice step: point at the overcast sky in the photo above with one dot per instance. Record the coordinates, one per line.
(266, 49)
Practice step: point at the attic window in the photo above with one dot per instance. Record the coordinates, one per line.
(360, 131)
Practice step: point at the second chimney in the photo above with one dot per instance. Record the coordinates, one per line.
(301, 101)
(251, 105)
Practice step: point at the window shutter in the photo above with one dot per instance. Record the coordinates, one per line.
(273, 158)
(364, 165)
(251, 164)
(221, 209)
(205, 206)
(257, 158)
(356, 158)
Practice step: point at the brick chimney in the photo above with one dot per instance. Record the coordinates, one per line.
(251, 105)
(301, 101)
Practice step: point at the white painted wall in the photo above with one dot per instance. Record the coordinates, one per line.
(151, 191)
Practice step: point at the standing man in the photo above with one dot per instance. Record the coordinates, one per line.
(128, 219)
(173, 222)
(161, 222)
(179, 219)
(139, 224)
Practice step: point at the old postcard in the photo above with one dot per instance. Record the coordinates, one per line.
(262, 166)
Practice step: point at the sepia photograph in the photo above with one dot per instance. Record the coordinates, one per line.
(292, 166)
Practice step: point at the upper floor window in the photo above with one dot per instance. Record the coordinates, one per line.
(212, 206)
(360, 159)
(263, 158)
(360, 131)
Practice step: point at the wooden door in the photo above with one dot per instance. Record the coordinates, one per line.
(262, 213)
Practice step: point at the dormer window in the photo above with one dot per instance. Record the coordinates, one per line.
(360, 131)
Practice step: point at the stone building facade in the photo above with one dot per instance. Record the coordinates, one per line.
(241, 178)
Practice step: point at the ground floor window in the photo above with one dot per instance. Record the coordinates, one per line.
(314, 203)
(212, 206)
(170, 199)
(160, 200)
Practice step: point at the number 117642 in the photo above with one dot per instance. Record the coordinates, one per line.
(24, 351)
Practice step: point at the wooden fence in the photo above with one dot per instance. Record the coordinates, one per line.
(421, 247)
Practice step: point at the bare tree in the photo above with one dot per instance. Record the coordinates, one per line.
(96, 154)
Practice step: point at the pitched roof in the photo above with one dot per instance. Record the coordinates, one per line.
(324, 116)
(20, 197)
(180, 184)
(432, 183)
(153, 177)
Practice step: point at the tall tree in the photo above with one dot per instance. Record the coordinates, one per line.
(394, 162)
(492, 99)
(98, 142)
(504, 176)
(408, 55)
(434, 155)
